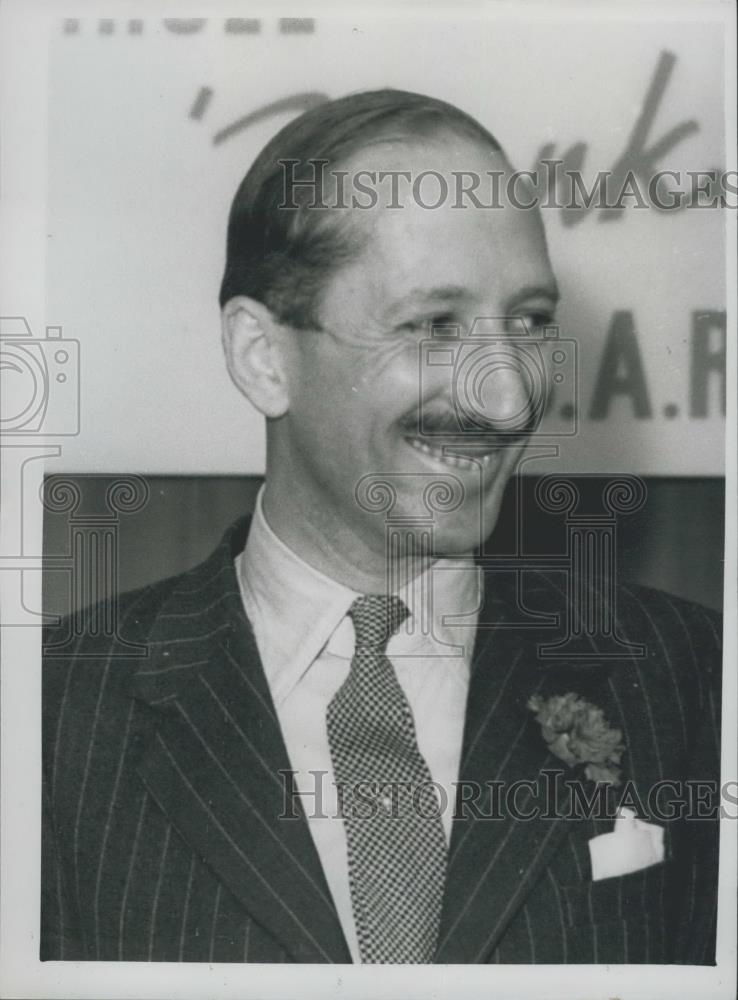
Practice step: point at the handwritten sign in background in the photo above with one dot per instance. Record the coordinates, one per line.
(152, 124)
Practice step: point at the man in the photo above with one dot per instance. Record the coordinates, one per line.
(346, 742)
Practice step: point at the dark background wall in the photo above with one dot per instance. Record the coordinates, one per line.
(674, 542)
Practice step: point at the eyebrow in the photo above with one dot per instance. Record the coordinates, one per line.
(442, 293)
(456, 293)
(548, 291)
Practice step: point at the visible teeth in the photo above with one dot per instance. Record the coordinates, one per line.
(455, 461)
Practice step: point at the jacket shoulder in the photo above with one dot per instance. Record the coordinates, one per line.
(96, 630)
(641, 637)
(632, 608)
(672, 624)
(96, 650)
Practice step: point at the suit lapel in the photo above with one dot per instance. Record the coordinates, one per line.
(494, 862)
(213, 755)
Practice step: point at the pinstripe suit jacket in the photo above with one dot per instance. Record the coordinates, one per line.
(162, 790)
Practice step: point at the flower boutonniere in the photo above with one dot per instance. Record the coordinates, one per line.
(577, 733)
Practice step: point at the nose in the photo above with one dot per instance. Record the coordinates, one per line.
(497, 384)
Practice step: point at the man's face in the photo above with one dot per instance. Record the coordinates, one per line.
(363, 398)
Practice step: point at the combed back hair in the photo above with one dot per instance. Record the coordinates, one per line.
(283, 257)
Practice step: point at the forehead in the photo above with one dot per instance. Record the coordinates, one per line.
(424, 230)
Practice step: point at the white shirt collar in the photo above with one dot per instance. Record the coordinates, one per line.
(297, 611)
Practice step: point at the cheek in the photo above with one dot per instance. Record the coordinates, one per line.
(328, 413)
(388, 375)
(348, 382)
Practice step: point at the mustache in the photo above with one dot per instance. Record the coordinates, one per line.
(445, 421)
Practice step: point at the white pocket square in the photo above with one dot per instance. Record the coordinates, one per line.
(632, 845)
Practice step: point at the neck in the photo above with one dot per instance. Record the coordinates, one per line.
(323, 540)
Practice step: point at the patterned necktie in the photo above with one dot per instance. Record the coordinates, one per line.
(396, 843)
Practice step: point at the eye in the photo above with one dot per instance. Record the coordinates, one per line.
(426, 323)
(533, 320)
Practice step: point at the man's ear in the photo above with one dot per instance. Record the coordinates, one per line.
(252, 345)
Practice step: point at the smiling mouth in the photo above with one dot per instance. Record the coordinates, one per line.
(480, 454)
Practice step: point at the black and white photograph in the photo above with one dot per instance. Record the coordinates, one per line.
(369, 500)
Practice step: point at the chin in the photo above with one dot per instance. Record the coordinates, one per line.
(428, 516)
(459, 539)
(449, 533)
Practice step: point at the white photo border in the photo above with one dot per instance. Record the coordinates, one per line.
(25, 29)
